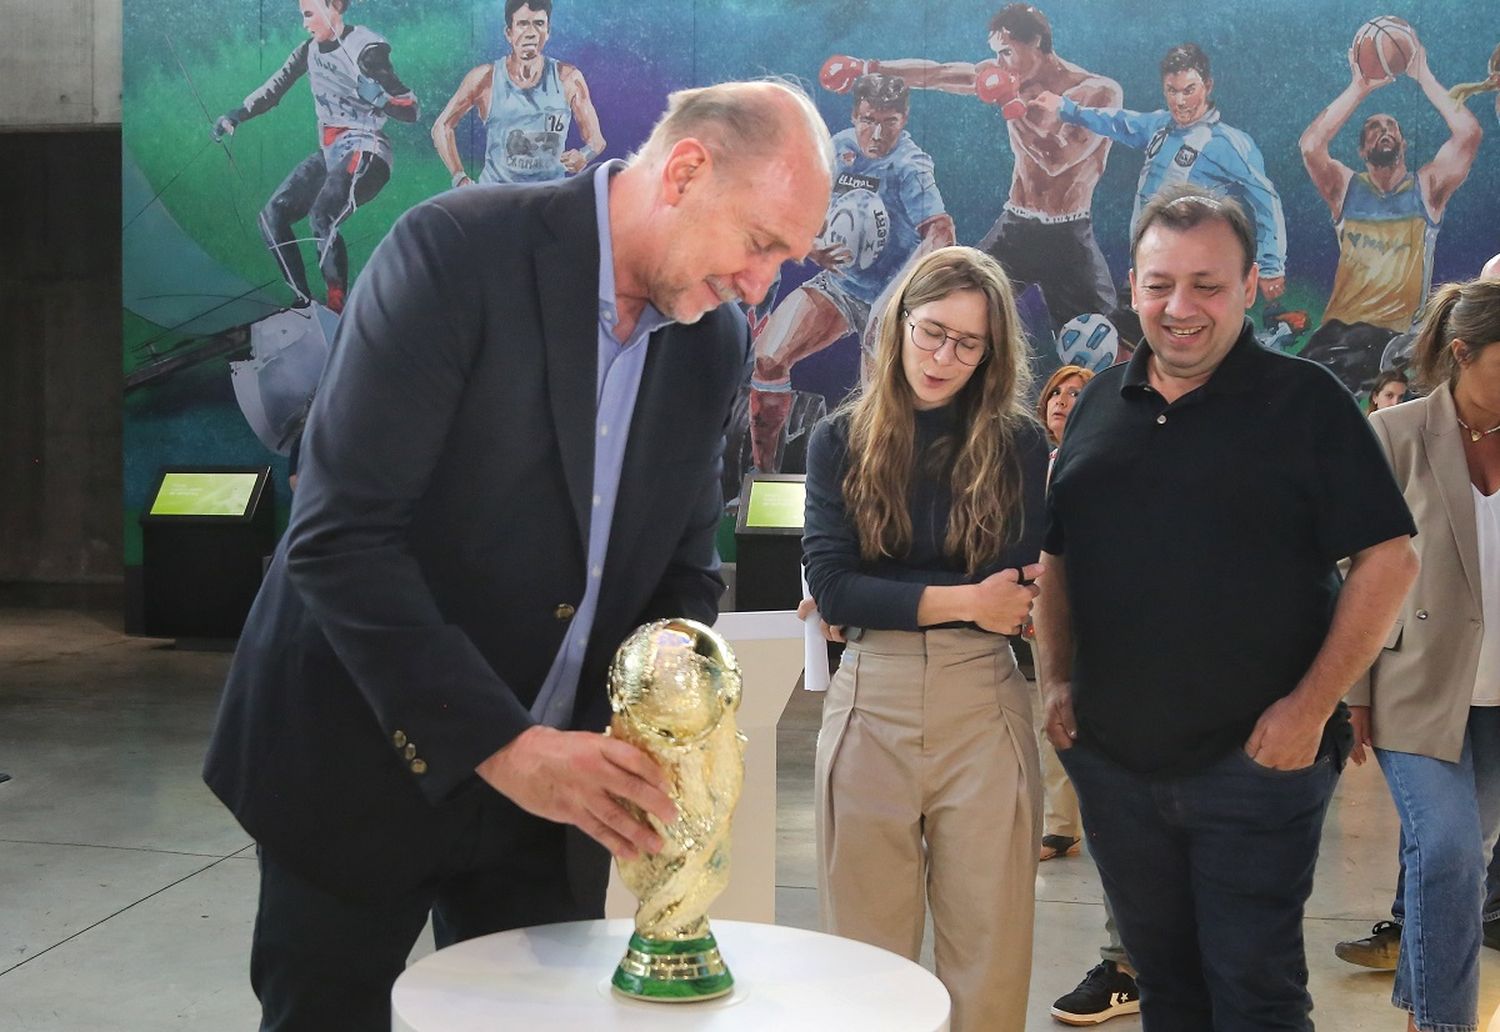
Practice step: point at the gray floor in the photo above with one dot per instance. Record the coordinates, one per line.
(127, 893)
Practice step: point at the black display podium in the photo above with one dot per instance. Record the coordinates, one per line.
(204, 538)
(768, 542)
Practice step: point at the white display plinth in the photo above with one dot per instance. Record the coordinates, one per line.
(769, 649)
(556, 977)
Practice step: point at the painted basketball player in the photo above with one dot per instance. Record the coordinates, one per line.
(1386, 217)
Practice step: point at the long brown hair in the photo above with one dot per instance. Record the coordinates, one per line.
(984, 469)
(1469, 312)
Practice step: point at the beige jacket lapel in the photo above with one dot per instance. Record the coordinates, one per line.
(1445, 455)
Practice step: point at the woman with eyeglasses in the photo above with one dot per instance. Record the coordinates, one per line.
(924, 521)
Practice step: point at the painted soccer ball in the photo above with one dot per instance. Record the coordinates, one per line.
(858, 220)
(1089, 341)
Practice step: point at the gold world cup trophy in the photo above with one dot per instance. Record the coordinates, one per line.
(674, 687)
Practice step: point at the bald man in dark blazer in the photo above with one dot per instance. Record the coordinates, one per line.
(412, 719)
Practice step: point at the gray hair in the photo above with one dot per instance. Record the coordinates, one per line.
(737, 121)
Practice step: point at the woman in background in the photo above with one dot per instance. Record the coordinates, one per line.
(924, 522)
(1055, 403)
(1390, 389)
(1430, 706)
(1062, 830)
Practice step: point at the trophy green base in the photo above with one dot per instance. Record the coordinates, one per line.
(671, 971)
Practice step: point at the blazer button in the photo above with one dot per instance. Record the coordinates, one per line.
(410, 752)
(419, 766)
(564, 611)
(398, 739)
(1421, 614)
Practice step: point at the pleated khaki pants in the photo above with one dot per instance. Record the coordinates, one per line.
(929, 793)
(1059, 801)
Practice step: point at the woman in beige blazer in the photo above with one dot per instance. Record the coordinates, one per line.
(1430, 706)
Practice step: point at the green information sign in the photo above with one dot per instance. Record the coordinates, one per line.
(204, 494)
(776, 504)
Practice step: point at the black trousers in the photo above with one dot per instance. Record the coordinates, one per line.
(1062, 258)
(322, 962)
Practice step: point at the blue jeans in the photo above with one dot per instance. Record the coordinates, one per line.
(1208, 874)
(1450, 817)
(1491, 887)
(1491, 883)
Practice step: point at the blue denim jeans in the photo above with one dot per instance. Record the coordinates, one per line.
(1450, 816)
(1491, 882)
(1207, 874)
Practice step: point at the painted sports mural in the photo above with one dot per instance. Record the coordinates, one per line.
(270, 145)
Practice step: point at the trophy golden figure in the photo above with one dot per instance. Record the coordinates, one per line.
(674, 687)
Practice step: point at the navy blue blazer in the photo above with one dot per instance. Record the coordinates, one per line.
(439, 532)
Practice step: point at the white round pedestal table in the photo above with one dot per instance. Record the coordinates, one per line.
(556, 977)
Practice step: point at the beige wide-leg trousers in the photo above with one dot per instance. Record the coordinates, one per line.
(929, 794)
(1059, 801)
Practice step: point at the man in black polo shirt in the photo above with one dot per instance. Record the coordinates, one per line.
(1193, 629)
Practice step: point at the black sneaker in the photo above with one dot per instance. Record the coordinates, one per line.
(1105, 992)
(1381, 949)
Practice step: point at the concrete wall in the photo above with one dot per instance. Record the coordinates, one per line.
(60, 379)
(62, 63)
(60, 392)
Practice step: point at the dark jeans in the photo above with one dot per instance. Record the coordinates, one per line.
(1208, 874)
(323, 963)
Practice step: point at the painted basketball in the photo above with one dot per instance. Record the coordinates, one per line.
(858, 220)
(1383, 47)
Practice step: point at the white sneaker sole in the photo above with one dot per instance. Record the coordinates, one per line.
(1114, 1011)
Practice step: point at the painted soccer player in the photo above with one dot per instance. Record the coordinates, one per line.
(1188, 142)
(876, 155)
(1044, 234)
(355, 89)
(1386, 218)
(527, 102)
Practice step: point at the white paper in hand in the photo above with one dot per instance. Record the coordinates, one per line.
(815, 648)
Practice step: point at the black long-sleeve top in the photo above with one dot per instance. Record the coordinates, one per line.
(883, 594)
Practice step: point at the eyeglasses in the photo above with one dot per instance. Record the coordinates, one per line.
(930, 336)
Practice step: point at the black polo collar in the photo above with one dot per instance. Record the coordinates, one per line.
(1239, 372)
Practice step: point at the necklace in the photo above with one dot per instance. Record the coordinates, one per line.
(1475, 435)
